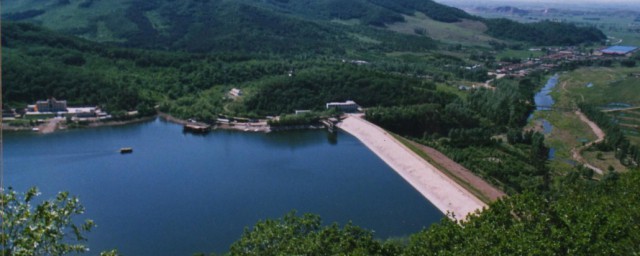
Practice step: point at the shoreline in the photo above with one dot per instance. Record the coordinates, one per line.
(443, 192)
(244, 127)
(52, 127)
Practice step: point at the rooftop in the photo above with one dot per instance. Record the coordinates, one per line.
(619, 49)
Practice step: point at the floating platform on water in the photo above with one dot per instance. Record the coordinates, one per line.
(126, 150)
(197, 127)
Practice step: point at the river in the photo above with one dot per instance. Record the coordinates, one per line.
(178, 193)
(544, 102)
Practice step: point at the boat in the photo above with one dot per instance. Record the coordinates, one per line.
(197, 127)
(126, 150)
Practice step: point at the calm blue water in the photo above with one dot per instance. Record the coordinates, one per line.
(543, 99)
(544, 102)
(179, 193)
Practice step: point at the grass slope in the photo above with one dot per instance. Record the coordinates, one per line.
(276, 26)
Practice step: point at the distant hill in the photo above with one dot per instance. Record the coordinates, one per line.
(279, 26)
(510, 10)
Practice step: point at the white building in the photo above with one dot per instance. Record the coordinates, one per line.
(235, 92)
(348, 106)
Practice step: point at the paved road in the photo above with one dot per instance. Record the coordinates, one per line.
(50, 126)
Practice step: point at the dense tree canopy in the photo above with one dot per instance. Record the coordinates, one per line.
(581, 217)
(544, 32)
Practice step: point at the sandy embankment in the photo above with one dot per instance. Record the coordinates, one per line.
(435, 186)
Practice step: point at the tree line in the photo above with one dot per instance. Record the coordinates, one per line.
(615, 139)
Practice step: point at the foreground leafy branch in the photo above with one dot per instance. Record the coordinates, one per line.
(46, 229)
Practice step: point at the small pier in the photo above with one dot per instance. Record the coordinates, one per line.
(330, 124)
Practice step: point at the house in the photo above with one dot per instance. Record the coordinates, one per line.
(86, 112)
(347, 106)
(300, 112)
(235, 92)
(50, 106)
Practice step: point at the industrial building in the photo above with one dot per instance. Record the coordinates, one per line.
(619, 50)
(49, 106)
(347, 107)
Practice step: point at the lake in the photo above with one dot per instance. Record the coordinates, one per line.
(179, 193)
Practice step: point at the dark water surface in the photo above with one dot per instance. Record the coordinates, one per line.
(544, 102)
(180, 193)
(543, 98)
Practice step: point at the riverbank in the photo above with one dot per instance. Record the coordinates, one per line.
(55, 124)
(245, 127)
(435, 186)
(577, 152)
(261, 126)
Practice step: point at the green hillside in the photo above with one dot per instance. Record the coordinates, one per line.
(40, 63)
(274, 26)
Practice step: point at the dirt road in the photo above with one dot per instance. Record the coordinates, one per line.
(50, 126)
(576, 152)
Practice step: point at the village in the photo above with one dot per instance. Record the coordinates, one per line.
(560, 56)
(46, 116)
(554, 59)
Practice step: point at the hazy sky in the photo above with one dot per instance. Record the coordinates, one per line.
(548, 1)
(632, 5)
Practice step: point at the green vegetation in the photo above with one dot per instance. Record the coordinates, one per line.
(466, 32)
(544, 33)
(312, 88)
(467, 130)
(411, 145)
(289, 55)
(596, 88)
(618, 23)
(47, 229)
(578, 216)
(293, 235)
(40, 63)
(274, 27)
(616, 140)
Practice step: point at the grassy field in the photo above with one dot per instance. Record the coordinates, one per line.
(608, 85)
(629, 121)
(606, 160)
(465, 32)
(596, 86)
(568, 132)
(99, 21)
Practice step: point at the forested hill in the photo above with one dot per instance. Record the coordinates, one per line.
(261, 26)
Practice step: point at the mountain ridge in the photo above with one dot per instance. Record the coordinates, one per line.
(276, 26)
